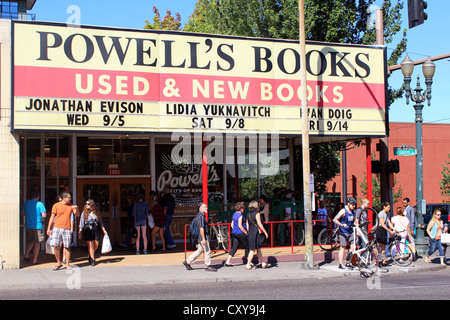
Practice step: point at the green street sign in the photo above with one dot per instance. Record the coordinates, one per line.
(405, 151)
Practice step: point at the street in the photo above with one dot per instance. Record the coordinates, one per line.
(412, 286)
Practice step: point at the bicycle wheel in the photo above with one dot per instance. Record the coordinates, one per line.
(368, 263)
(222, 238)
(372, 215)
(299, 234)
(401, 253)
(328, 239)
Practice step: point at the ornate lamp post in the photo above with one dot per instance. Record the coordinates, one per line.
(428, 68)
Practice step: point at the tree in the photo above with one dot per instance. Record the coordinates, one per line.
(397, 190)
(445, 181)
(168, 23)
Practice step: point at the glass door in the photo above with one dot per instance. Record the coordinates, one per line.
(114, 198)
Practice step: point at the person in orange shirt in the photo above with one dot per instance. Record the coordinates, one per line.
(60, 228)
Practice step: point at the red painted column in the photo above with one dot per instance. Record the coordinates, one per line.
(369, 175)
(204, 174)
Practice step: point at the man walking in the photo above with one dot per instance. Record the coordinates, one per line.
(35, 213)
(62, 224)
(203, 240)
(410, 214)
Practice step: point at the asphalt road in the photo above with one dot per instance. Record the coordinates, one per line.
(412, 286)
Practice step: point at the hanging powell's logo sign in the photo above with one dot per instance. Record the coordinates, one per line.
(113, 80)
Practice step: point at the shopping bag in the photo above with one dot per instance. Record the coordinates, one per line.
(48, 248)
(445, 238)
(106, 246)
(151, 222)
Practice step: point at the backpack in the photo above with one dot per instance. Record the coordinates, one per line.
(194, 229)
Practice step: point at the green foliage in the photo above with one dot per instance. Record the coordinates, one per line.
(445, 181)
(397, 190)
(325, 163)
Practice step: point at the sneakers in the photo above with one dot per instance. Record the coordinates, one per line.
(208, 268)
(187, 265)
(348, 266)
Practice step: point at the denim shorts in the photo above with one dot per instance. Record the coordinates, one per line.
(141, 223)
(345, 238)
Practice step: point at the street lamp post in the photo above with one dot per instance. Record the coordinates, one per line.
(428, 68)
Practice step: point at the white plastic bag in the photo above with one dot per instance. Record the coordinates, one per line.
(445, 238)
(48, 248)
(106, 246)
(151, 222)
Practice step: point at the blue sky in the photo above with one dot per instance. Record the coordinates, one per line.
(428, 39)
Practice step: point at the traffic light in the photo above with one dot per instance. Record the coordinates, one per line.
(416, 15)
(393, 166)
(376, 166)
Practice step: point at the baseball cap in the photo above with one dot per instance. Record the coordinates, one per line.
(351, 200)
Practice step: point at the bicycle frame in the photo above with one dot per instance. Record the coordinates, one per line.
(367, 261)
(361, 233)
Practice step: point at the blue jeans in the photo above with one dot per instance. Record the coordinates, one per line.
(167, 234)
(436, 245)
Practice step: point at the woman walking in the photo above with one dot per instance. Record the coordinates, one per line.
(256, 236)
(434, 229)
(238, 233)
(140, 213)
(401, 226)
(160, 224)
(89, 230)
(384, 227)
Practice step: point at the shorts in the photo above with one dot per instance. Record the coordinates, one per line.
(35, 235)
(141, 223)
(61, 236)
(345, 238)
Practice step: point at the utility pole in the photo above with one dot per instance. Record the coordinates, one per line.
(309, 252)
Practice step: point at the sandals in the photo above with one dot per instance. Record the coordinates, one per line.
(58, 267)
(266, 265)
(252, 267)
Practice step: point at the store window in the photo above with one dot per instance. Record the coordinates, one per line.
(56, 168)
(45, 167)
(113, 156)
(258, 165)
(180, 174)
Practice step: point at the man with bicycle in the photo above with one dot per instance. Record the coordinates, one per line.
(344, 220)
(360, 218)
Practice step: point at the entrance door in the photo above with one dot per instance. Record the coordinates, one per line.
(113, 198)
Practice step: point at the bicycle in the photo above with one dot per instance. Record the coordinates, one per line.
(218, 231)
(367, 260)
(328, 238)
(367, 256)
(298, 236)
(400, 252)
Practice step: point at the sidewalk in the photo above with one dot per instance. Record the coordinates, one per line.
(120, 268)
